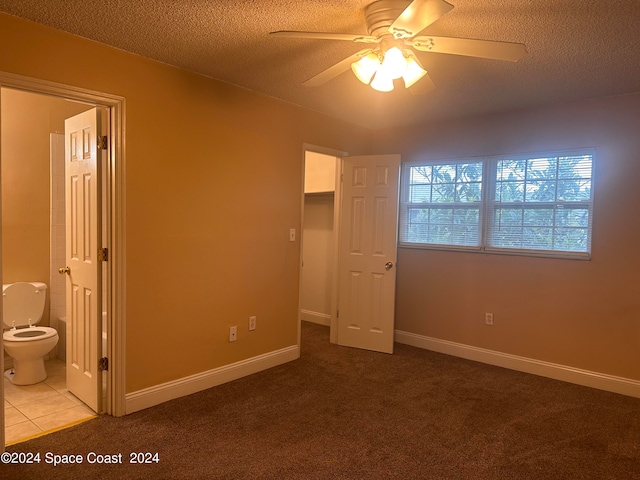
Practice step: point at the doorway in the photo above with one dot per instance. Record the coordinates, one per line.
(348, 267)
(320, 214)
(70, 100)
(318, 237)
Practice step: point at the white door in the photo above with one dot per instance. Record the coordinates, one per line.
(83, 238)
(367, 252)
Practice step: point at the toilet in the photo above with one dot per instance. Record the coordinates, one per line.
(26, 343)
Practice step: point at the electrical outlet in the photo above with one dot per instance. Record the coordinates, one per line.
(233, 334)
(488, 318)
(252, 322)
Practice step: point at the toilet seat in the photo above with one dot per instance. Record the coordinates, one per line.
(29, 334)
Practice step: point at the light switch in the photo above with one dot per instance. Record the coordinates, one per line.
(292, 234)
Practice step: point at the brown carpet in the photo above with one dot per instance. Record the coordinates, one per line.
(342, 413)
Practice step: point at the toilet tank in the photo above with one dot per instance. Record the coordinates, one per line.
(23, 303)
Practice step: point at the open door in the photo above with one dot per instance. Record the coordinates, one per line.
(83, 268)
(367, 252)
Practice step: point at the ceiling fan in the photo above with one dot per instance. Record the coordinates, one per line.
(393, 26)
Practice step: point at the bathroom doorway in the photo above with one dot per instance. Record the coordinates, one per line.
(29, 108)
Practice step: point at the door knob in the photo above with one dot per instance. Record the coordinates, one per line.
(63, 270)
(388, 266)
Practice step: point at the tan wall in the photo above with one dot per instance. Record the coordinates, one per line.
(27, 120)
(213, 184)
(584, 314)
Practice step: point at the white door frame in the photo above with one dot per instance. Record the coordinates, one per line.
(337, 198)
(115, 224)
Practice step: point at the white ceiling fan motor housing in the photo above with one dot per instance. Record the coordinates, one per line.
(381, 14)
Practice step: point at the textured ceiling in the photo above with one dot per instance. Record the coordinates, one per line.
(576, 49)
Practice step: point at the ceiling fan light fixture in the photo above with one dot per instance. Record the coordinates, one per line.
(365, 68)
(382, 82)
(413, 73)
(394, 63)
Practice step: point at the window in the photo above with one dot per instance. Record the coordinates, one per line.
(443, 203)
(519, 204)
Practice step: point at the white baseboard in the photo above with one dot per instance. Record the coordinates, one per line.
(158, 394)
(602, 381)
(315, 317)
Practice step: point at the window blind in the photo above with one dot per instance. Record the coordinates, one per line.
(441, 203)
(524, 203)
(541, 203)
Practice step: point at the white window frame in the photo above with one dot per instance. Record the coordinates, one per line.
(406, 206)
(489, 203)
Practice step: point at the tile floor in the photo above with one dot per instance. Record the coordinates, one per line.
(32, 409)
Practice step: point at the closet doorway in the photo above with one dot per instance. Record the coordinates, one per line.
(349, 247)
(318, 298)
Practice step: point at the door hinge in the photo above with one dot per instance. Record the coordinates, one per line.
(103, 364)
(337, 313)
(102, 142)
(103, 254)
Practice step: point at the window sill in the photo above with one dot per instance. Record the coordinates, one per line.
(494, 251)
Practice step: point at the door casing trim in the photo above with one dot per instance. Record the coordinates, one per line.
(337, 206)
(115, 224)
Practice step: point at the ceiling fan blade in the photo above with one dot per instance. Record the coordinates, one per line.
(418, 16)
(422, 86)
(326, 36)
(470, 48)
(336, 69)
